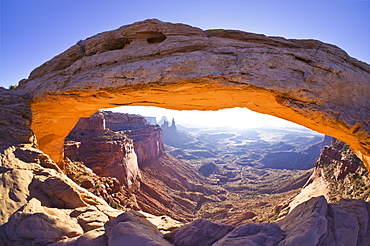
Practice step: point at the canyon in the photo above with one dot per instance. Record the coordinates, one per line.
(153, 63)
(127, 148)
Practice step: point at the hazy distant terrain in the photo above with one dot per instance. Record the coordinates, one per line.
(267, 165)
(278, 148)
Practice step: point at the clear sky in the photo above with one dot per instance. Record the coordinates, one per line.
(34, 31)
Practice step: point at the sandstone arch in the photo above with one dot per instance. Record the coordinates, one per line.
(152, 63)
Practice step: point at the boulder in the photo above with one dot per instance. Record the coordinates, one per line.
(92, 238)
(34, 224)
(253, 235)
(199, 232)
(131, 228)
(315, 222)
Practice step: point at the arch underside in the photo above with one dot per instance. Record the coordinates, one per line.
(152, 63)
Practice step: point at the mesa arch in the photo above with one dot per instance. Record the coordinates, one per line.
(175, 66)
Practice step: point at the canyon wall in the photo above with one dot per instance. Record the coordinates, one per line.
(147, 138)
(107, 153)
(338, 174)
(175, 66)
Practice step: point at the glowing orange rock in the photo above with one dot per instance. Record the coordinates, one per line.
(175, 66)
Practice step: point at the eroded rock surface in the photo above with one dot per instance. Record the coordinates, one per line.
(131, 228)
(15, 119)
(153, 63)
(147, 138)
(316, 222)
(199, 232)
(253, 235)
(107, 153)
(39, 204)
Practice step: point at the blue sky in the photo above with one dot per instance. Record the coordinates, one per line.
(34, 31)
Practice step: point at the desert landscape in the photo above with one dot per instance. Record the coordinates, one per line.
(73, 173)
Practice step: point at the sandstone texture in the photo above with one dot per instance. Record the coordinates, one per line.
(253, 235)
(132, 228)
(107, 153)
(39, 202)
(154, 63)
(199, 232)
(15, 119)
(147, 138)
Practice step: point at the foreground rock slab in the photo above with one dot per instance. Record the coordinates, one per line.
(131, 228)
(253, 235)
(199, 232)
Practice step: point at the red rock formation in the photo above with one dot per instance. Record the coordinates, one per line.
(167, 184)
(107, 153)
(147, 138)
(342, 157)
(108, 188)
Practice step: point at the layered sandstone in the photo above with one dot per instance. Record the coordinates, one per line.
(107, 153)
(147, 138)
(153, 63)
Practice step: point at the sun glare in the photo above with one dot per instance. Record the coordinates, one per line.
(235, 117)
